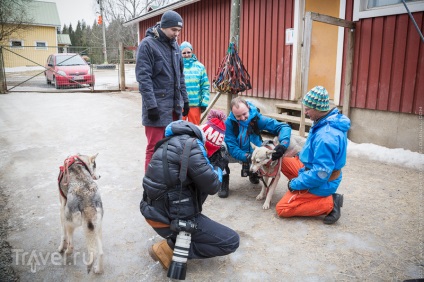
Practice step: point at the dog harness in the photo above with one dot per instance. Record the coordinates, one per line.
(64, 171)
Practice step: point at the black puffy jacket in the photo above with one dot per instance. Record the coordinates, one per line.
(164, 199)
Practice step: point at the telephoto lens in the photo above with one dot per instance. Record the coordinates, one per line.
(178, 267)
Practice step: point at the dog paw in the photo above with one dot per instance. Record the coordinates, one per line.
(260, 197)
(265, 206)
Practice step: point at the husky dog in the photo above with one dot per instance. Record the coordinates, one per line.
(267, 169)
(81, 205)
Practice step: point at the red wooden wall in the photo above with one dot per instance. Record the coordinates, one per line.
(261, 44)
(388, 70)
(268, 60)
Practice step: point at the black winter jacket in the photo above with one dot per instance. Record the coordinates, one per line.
(159, 72)
(164, 199)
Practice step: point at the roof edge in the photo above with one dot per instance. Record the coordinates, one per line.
(160, 11)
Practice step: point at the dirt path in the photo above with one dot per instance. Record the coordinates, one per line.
(378, 238)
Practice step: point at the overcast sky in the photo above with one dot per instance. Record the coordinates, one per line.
(70, 11)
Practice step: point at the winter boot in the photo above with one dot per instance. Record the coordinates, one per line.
(161, 252)
(225, 189)
(335, 214)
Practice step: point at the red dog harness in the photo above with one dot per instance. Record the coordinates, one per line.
(64, 171)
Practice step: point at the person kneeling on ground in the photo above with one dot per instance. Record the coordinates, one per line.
(214, 130)
(244, 126)
(168, 197)
(315, 173)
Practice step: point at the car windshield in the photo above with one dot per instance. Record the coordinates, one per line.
(69, 60)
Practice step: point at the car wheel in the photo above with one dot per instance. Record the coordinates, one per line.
(55, 83)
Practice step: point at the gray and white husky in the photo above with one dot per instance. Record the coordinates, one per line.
(81, 205)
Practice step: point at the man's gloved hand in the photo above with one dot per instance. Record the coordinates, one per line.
(153, 114)
(219, 160)
(186, 109)
(202, 109)
(279, 152)
(249, 158)
(288, 186)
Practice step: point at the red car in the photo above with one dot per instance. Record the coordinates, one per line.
(68, 69)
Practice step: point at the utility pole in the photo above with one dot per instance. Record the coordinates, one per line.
(104, 30)
(234, 36)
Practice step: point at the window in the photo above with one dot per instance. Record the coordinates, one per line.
(377, 8)
(16, 44)
(40, 45)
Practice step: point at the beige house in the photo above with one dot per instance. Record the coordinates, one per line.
(32, 46)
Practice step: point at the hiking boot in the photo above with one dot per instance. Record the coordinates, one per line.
(225, 189)
(161, 252)
(254, 178)
(335, 214)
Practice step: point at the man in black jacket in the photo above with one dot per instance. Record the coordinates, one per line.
(177, 182)
(159, 72)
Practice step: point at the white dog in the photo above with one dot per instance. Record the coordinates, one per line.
(269, 170)
(81, 205)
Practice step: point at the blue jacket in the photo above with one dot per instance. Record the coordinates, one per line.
(197, 82)
(239, 145)
(324, 151)
(159, 72)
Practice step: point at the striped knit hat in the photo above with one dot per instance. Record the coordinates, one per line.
(317, 98)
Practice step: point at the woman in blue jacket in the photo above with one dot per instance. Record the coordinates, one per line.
(315, 174)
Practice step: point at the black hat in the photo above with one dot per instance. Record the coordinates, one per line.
(171, 19)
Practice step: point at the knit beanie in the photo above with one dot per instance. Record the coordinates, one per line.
(214, 130)
(171, 19)
(317, 98)
(186, 44)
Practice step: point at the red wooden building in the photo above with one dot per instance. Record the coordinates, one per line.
(387, 82)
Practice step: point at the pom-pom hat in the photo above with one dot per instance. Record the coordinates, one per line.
(317, 98)
(214, 130)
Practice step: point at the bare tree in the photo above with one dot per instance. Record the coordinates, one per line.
(14, 17)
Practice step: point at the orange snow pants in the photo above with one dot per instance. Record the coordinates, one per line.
(300, 203)
(193, 115)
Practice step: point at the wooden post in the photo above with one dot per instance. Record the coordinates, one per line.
(348, 75)
(121, 66)
(210, 106)
(234, 37)
(3, 87)
(305, 67)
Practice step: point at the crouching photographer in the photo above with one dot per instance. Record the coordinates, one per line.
(176, 184)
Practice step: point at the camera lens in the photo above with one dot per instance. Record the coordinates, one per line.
(178, 267)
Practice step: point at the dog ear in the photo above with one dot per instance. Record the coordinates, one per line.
(276, 141)
(93, 158)
(269, 153)
(253, 146)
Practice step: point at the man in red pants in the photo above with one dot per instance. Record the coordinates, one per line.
(315, 174)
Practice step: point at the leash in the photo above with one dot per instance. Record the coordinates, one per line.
(64, 171)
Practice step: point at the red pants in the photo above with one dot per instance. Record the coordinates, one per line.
(154, 135)
(300, 203)
(193, 115)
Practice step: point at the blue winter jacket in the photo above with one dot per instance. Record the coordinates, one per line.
(324, 151)
(239, 145)
(159, 72)
(197, 82)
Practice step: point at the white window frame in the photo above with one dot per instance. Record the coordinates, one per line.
(40, 48)
(360, 10)
(16, 47)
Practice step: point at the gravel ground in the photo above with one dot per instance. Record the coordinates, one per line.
(378, 238)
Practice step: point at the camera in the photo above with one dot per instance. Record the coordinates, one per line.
(245, 167)
(178, 267)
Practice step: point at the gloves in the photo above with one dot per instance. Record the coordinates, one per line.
(249, 158)
(202, 109)
(279, 152)
(186, 109)
(288, 186)
(219, 160)
(153, 114)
